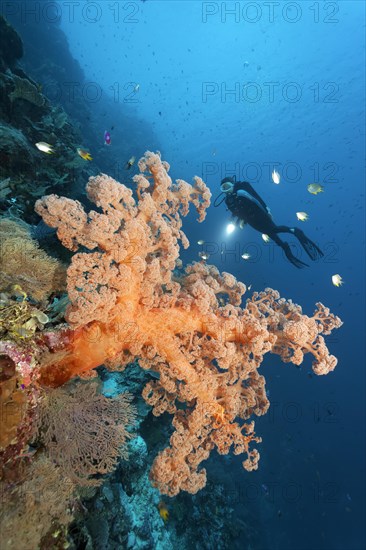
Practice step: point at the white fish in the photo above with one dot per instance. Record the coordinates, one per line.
(201, 242)
(265, 238)
(203, 255)
(45, 147)
(337, 280)
(276, 177)
(246, 256)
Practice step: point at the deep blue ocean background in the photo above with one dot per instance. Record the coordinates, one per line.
(240, 88)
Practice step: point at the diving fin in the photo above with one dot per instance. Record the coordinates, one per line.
(291, 258)
(311, 249)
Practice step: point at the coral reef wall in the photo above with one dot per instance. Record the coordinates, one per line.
(65, 84)
(26, 118)
(38, 105)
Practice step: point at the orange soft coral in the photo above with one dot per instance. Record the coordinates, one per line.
(128, 301)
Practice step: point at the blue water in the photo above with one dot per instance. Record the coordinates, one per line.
(241, 93)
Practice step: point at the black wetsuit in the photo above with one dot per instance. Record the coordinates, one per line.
(245, 204)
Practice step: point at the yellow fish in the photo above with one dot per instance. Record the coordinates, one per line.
(163, 511)
(302, 216)
(84, 154)
(315, 188)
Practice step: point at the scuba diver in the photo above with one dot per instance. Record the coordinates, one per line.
(246, 205)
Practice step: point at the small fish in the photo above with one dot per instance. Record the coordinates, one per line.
(245, 256)
(276, 178)
(315, 188)
(302, 216)
(203, 255)
(45, 147)
(163, 511)
(265, 238)
(200, 242)
(84, 154)
(337, 280)
(249, 287)
(107, 138)
(136, 88)
(130, 163)
(19, 292)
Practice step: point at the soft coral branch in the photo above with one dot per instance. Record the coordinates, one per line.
(129, 301)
